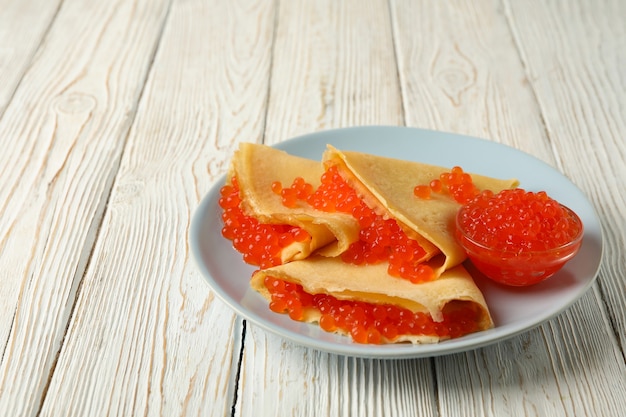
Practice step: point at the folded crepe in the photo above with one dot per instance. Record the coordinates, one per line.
(256, 167)
(371, 284)
(386, 185)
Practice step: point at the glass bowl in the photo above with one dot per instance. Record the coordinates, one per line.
(519, 268)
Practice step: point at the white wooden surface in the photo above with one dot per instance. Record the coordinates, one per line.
(116, 117)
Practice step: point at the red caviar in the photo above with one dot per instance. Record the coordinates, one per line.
(517, 220)
(518, 237)
(299, 190)
(380, 239)
(261, 244)
(422, 191)
(367, 322)
(457, 183)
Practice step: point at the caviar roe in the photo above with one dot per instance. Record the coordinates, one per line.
(456, 183)
(366, 322)
(380, 239)
(261, 244)
(299, 190)
(515, 220)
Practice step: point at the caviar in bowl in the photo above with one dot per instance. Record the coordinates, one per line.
(516, 237)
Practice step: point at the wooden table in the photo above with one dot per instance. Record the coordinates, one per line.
(117, 116)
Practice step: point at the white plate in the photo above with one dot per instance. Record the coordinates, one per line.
(514, 310)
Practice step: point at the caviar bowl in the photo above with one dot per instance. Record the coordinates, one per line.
(519, 268)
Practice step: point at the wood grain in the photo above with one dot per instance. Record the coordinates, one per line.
(460, 72)
(23, 24)
(158, 341)
(66, 125)
(280, 378)
(330, 70)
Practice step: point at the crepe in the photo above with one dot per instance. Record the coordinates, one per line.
(256, 167)
(372, 284)
(386, 185)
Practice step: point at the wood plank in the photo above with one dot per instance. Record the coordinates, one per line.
(333, 66)
(148, 337)
(281, 378)
(23, 24)
(74, 106)
(330, 70)
(460, 71)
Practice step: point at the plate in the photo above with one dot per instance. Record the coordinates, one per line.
(514, 310)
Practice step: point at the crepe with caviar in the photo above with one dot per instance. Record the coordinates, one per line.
(387, 185)
(450, 306)
(254, 170)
